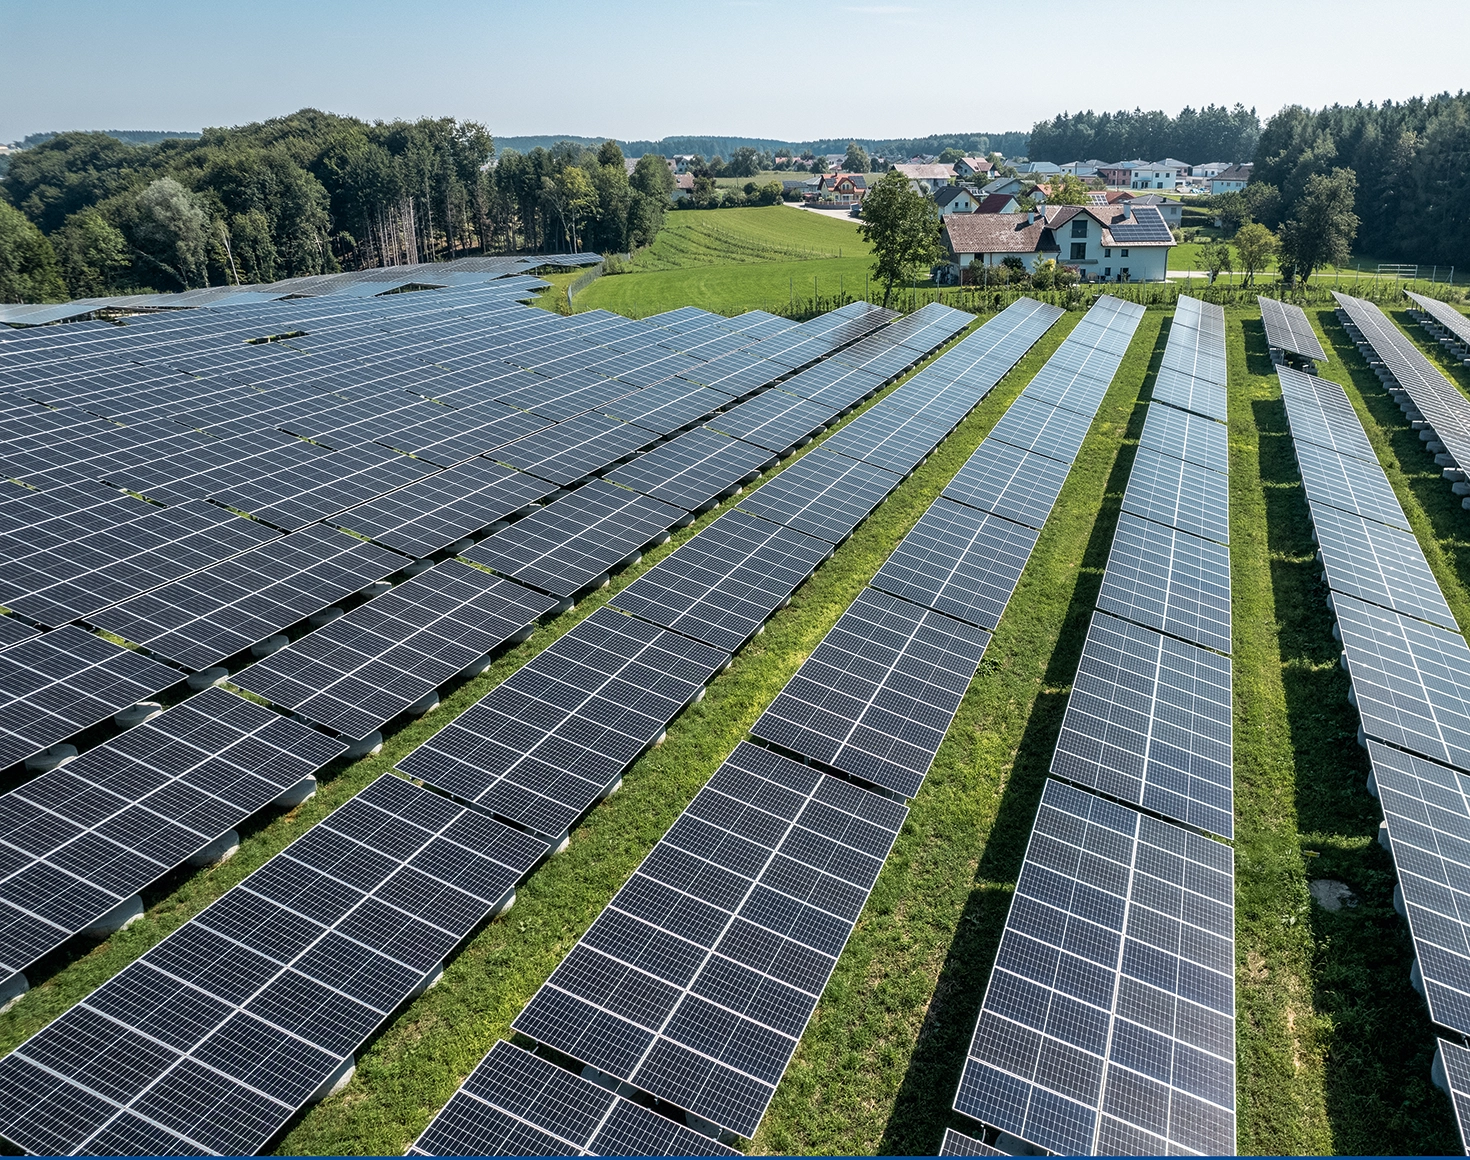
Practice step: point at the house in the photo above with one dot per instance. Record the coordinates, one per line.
(1087, 168)
(1209, 169)
(996, 203)
(923, 159)
(682, 161)
(1232, 179)
(1119, 172)
(842, 189)
(972, 167)
(1109, 196)
(683, 186)
(1171, 209)
(1157, 174)
(1113, 243)
(988, 239)
(926, 178)
(1009, 185)
(1039, 169)
(956, 199)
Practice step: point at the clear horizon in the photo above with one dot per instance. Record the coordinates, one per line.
(733, 68)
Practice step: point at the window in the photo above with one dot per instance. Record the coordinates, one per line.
(1107, 253)
(1123, 273)
(1122, 253)
(1107, 271)
(1079, 251)
(1079, 226)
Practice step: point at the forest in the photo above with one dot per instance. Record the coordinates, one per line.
(309, 193)
(1213, 133)
(1412, 164)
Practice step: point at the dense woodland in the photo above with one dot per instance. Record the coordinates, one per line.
(310, 193)
(1213, 133)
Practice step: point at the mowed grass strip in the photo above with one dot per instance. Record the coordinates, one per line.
(776, 233)
(731, 289)
(879, 1065)
(1334, 1047)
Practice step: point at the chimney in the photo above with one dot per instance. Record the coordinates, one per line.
(1127, 212)
(1030, 216)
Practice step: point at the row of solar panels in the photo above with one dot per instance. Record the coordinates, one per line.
(353, 676)
(1410, 672)
(1445, 322)
(1107, 1025)
(695, 984)
(301, 998)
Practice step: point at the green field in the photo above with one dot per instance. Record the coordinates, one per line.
(1333, 1045)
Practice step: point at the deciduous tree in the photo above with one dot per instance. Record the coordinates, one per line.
(903, 227)
(28, 269)
(1255, 245)
(1322, 226)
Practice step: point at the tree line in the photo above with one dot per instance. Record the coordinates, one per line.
(87, 214)
(1213, 133)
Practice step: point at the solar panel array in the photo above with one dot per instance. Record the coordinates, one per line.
(695, 984)
(217, 1036)
(1288, 330)
(77, 841)
(1192, 375)
(1107, 1026)
(1437, 407)
(1455, 1060)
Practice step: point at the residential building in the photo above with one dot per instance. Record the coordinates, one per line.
(1087, 168)
(683, 186)
(1113, 243)
(988, 239)
(1039, 169)
(1119, 172)
(956, 199)
(840, 189)
(1109, 196)
(1009, 185)
(972, 167)
(996, 203)
(1171, 209)
(926, 178)
(1157, 174)
(1232, 179)
(682, 161)
(1209, 169)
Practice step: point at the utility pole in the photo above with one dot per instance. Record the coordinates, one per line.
(226, 236)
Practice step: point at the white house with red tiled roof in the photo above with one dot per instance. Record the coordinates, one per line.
(1112, 243)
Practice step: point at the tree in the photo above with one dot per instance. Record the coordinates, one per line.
(1255, 245)
(608, 153)
(903, 227)
(819, 165)
(93, 254)
(744, 162)
(169, 230)
(1068, 189)
(652, 185)
(857, 160)
(571, 196)
(1323, 224)
(1213, 257)
(28, 270)
(950, 156)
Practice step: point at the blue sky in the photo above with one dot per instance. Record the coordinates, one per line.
(761, 68)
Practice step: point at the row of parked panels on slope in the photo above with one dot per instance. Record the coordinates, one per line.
(1410, 672)
(442, 617)
(81, 843)
(1107, 1025)
(693, 987)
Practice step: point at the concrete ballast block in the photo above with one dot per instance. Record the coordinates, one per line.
(137, 714)
(206, 678)
(119, 918)
(222, 849)
(298, 793)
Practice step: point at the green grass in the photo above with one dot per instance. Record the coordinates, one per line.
(776, 233)
(728, 289)
(554, 297)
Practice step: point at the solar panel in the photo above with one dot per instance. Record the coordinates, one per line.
(1379, 564)
(463, 432)
(1425, 808)
(774, 420)
(1456, 1061)
(1010, 482)
(887, 438)
(959, 561)
(1340, 481)
(1287, 328)
(55, 685)
(79, 840)
(958, 1144)
(514, 1104)
(722, 585)
(1319, 412)
(833, 384)
(667, 407)
(13, 630)
(213, 614)
(218, 1035)
(1034, 425)
(441, 509)
(875, 698)
(1190, 394)
(1149, 721)
(382, 657)
(571, 451)
(292, 499)
(822, 494)
(1171, 431)
(1170, 580)
(1411, 681)
(543, 745)
(695, 984)
(575, 541)
(1108, 1025)
(1146, 225)
(77, 579)
(1180, 494)
(694, 469)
